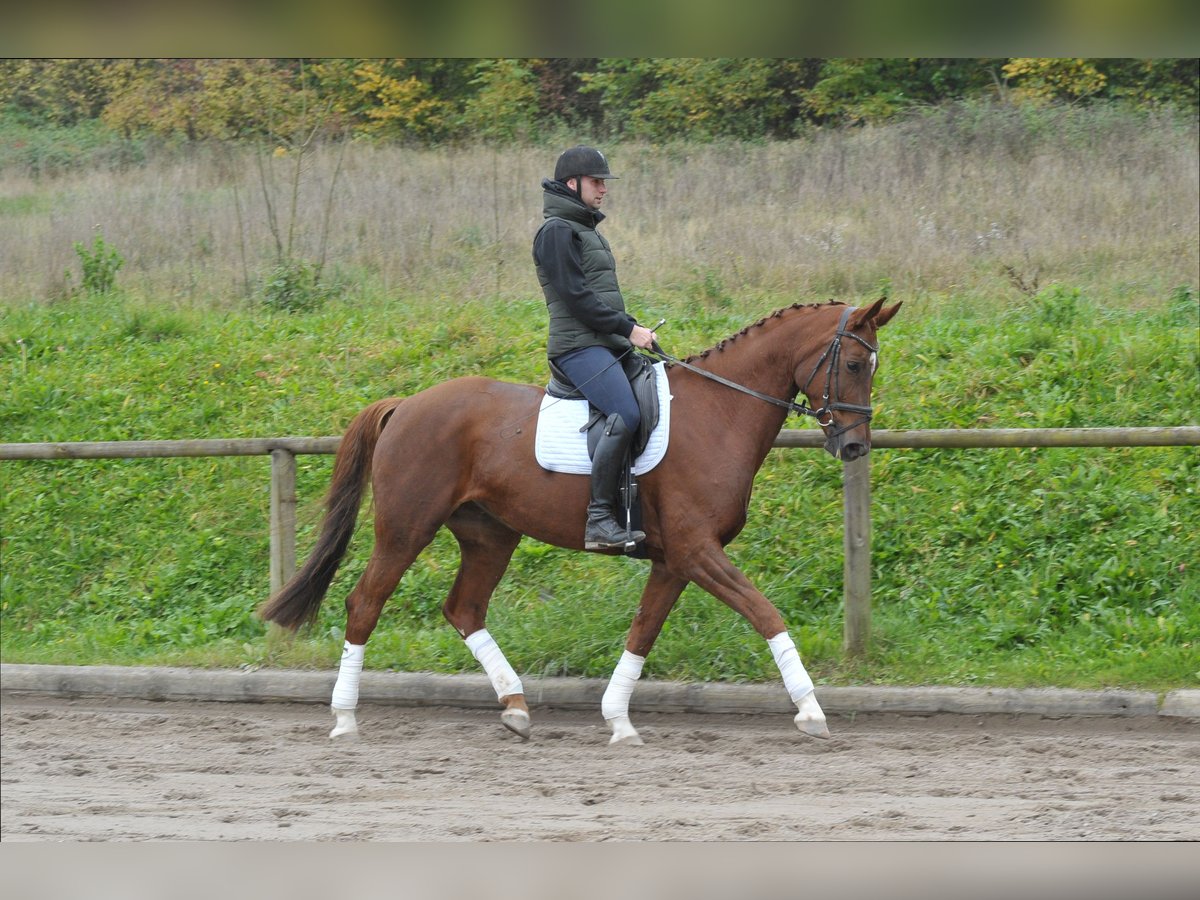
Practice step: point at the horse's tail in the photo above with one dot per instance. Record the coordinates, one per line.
(299, 600)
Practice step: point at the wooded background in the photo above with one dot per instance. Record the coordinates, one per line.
(435, 100)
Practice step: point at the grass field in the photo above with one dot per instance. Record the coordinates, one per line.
(941, 204)
(1072, 567)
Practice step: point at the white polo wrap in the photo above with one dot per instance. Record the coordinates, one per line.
(345, 690)
(795, 676)
(615, 703)
(485, 649)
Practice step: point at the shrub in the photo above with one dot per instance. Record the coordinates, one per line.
(296, 286)
(100, 266)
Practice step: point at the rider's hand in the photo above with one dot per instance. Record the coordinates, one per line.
(642, 337)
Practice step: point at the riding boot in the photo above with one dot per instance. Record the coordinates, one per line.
(603, 531)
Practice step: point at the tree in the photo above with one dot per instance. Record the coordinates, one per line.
(201, 99)
(560, 83)
(431, 100)
(620, 85)
(54, 91)
(852, 91)
(1045, 80)
(505, 106)
(399, 104)
(705, 99)
(1154, 82)
(701, 99)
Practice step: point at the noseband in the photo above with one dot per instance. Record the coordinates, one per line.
(824, 414)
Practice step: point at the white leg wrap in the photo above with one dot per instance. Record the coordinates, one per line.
(795, 676)
(615, 704)
(345, 690)
(504, 679)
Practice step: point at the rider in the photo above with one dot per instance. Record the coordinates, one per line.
(589, 328)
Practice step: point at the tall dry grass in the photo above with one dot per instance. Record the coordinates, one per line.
(961, 200)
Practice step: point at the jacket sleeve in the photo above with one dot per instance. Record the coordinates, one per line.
(557, 252)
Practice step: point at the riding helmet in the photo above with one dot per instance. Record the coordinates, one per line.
(581, 160)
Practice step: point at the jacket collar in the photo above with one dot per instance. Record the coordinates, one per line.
(558, 200)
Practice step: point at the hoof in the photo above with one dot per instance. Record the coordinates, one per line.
(629, 740)
(812, 727)
(347, 725)
(516, 721)
(623, 732)
(810, 719)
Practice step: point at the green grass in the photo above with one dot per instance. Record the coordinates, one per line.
(1069, 567)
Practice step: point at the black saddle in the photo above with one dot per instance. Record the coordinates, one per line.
(643, 378)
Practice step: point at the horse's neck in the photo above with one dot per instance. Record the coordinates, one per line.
(759, 358)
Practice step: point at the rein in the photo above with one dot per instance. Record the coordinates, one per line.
(827, 408)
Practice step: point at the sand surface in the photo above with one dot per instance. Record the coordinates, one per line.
(84, 770)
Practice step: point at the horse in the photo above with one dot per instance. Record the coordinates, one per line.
(459, 455)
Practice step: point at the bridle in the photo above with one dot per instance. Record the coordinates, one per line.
(832, 373)
(824, 413)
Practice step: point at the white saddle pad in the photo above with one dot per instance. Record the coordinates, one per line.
(561, 447)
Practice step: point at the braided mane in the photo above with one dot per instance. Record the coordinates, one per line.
(778, 314)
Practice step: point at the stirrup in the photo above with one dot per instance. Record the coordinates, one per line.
(625, 544)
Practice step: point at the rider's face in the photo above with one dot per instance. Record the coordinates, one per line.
(592, 191)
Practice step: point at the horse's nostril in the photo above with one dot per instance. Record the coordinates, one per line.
(853, 451)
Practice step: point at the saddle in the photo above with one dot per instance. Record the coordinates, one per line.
(643, 379)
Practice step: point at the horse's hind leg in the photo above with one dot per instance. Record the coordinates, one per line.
(389, 561)
(658, 598)
(487, 545)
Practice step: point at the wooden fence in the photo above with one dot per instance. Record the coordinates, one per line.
(856, 488)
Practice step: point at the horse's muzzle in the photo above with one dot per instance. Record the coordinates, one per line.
(847, 452)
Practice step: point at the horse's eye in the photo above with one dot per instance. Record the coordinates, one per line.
(854, 365)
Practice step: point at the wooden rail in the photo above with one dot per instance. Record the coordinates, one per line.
(856, 488)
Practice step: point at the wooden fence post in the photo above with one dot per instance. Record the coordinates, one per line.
(283, 517)
(856, 566)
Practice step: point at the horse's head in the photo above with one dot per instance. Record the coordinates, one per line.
(836, 378)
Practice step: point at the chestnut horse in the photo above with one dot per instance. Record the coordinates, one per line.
(461, 454)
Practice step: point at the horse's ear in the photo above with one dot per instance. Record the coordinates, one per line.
(884, 316)
(873, 312)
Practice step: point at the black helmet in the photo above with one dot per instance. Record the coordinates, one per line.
(581, 160)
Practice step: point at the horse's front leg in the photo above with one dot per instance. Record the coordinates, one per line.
(810, 718)
(712, 570)
(658, 598)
